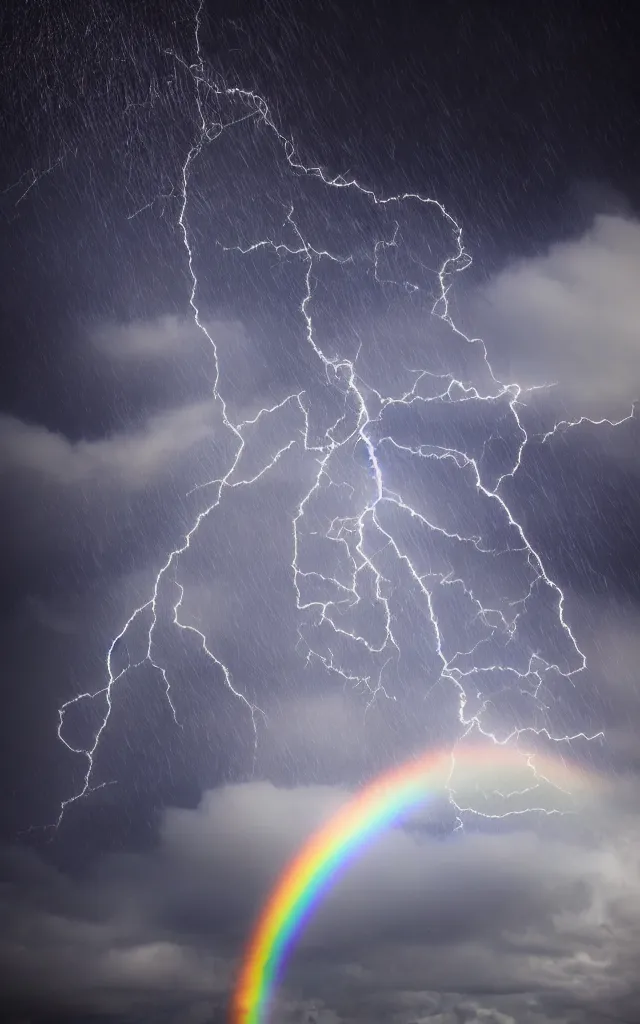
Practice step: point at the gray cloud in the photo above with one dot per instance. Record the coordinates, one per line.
(154, 351)
(166, 336)
(493, 928)
(570, 317)
(477, 928)
(128, 459)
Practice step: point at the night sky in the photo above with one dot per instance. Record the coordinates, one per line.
(275, 519)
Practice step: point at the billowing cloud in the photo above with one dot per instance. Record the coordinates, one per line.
(165, 337)
(473, 928)
(569, 317)
(130, 459)
(168, 337)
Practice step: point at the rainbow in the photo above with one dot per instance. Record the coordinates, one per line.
(310, 874)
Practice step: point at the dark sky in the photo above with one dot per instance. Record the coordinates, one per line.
(238, 326)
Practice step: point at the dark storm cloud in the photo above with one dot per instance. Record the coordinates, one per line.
(130, 460)
(67, 491)
(545, 316)
(109, 423)
(64, 496)
(416, 928)
(73, 496)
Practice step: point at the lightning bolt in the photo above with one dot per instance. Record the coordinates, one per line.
(365, 535)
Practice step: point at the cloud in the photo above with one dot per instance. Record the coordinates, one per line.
(490, 928)
(127, 459)
(165, 337)
(570, 317)
(476, 928)
(152, 349)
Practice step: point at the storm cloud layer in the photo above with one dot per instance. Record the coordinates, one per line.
(532, 925)
(192, 322)
(519, 926)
